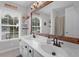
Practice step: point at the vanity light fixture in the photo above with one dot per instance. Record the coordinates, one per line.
(39, 4)
(11, 6)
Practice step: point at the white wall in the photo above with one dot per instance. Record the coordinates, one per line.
(7, 45)
(13, 13)
(71, 22)
(20, 11)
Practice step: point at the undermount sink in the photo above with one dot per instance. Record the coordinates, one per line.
(53, 50)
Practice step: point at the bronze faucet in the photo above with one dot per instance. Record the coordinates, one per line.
(56, 42)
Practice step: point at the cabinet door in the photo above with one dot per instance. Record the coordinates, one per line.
(23, 49)
(31, 52)
(36, 54)
(20, 46)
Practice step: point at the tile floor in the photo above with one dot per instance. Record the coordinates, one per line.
(13, 53)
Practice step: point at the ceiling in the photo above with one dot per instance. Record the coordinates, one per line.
(55, 6)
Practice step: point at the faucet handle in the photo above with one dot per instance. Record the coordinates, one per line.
(61, 43)
(53, 40)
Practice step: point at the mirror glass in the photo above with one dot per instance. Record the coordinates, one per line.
(60, 19)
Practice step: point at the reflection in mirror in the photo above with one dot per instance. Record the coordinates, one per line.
(63, 20)
(35, 24)
(44, 22)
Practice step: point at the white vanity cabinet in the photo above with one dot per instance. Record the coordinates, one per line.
(24, 49)
(28, 51)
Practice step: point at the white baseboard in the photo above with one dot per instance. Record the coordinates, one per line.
(10, 49)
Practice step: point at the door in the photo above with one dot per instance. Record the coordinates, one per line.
(59, 25)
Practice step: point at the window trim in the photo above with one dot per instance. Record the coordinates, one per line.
(9, 25)
(39, 21)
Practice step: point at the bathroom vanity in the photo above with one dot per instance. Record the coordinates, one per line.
(40, 47)
(27, 51)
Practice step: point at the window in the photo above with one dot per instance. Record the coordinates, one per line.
(35, 25)
(10, 27)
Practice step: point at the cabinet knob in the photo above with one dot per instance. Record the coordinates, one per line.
(30, 51)
(53, 53)
(25, 46)
(67, 32)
